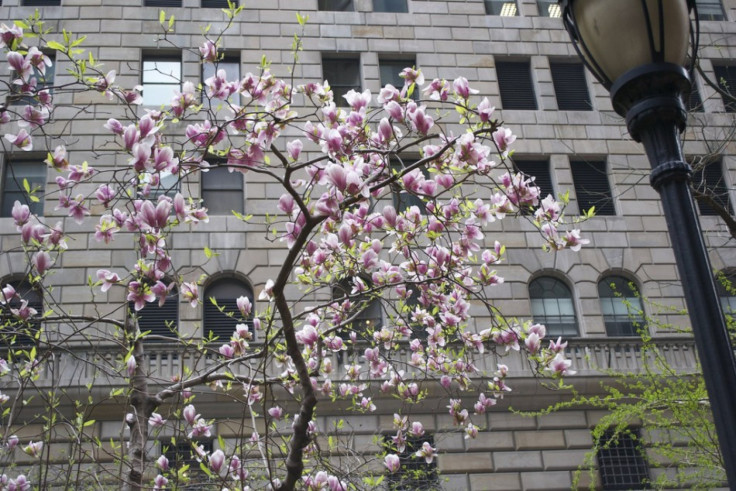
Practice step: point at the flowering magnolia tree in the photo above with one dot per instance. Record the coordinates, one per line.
(337, 168)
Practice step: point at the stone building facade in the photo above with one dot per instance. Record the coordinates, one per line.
(519, 56)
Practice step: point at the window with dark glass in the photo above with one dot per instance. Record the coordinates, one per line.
(162, 3)
(181, 453)
(14, 331)
(16, 174)
(24, 94)
(621, 463)
(552, 305)
(343, 75)
(539, 169)
(710, 10)
(621, 306)
(222, 191)
(390, 6)
(504, 8)
(726, 79)
(231, 65)
(571, 88)
(218, 3)
(365, 311)
(40, 3)
(161, 321)
(710, 188)
(515, 85)
(390, 68)
(161, 77)
(222, 315)
(403, 199)
(592, 188)
(336, 5)
(415, 473)
(549, 8)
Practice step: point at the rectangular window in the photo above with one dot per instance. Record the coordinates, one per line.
(515, 84)
(336, 5)
(222, 191)
(504, 8)
(40, 3)
(390, 6)
(415, 473)
(17, 171)
(161, 76)
(541, 172)
(711, 191)
(182, 453)
(218, 3)
(21, 94)
(391, 68)
(726, 78)
(620, 461)
(590, 179)
(343, 75)
(231, 65)
(549, 8)
(710, 10)
(571, 89)
(162, 3)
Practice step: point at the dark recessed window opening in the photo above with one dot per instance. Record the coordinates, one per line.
(711, 190)
(221, 323)
(16, 173)
(515, 85)
(621, 306)
(571, 89)
(620, 461)
(552, 305)
(343, 75)
(590, 179)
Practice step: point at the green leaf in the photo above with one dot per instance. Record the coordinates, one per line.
(89, 423)
(207, 252)
(161, 17)
(26, 186)
(56, 46)
(171, 22)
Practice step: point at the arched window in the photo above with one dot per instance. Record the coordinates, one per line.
(726, 286)
(220, 320)
(367, 311)
(15, 331)
(162, 321)
(621, 306)
(552, 306)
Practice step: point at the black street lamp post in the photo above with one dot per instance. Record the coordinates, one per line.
(637, 49)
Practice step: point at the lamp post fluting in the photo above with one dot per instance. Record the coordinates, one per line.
(637, 49)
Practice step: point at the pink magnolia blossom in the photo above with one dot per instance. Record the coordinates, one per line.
(162, 463)
(131, 365)
(190, 293)
(108, 279)
(160, 482)
(8, 35)
(42, 262)
(156, 420)
(392, 462)
(216, 460)
(21, 140)
(427, 452)
(208, 51)
(276, 412)
(190, 414)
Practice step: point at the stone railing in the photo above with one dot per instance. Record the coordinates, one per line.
(101, 367)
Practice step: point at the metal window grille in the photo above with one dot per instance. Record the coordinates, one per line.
(336, 5)
(41, 3)
(710, 181)
(343, 75)
(539, 169)
(621, 306)
(726, 78)
(710, 10)
(218, 3)
(549, 8)
(592, 187)
(17, 171)
(160, 321)
(552, 305)
(222, 191)
(620, 461)
(390, 6)
(162, 3)
(571, 89)
(504, 8)
(182, 453)
(515, 85)
(415, 473)
(221, 323)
